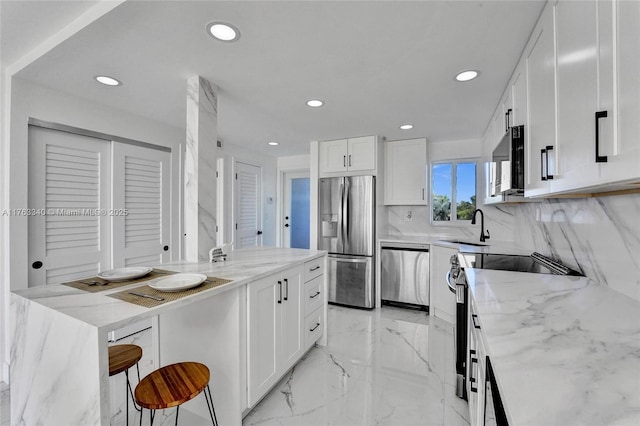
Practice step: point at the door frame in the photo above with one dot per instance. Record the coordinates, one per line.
(283, 173)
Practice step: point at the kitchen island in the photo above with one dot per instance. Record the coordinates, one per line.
(59, 354)
(564, 350)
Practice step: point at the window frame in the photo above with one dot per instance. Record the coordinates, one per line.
(454, 221)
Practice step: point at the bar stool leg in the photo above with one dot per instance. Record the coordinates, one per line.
(177, 412)
(212, 410)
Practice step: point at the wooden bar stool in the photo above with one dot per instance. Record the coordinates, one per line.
(122, 358)
(172, 386)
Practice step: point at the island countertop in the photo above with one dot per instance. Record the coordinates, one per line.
(107, 313)
(565, 350)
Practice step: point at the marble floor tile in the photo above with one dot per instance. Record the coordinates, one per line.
(383, 367)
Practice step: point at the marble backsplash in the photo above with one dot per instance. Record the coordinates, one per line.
(598, 236)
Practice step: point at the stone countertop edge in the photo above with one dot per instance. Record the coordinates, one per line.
(107, 313)
(564, 350)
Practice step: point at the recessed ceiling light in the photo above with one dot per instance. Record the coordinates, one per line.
(223, 31)
(107, 81)
(273, 143)
(467, 75)
(406, 126)
(315, 103)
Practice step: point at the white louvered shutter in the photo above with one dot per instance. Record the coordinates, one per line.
(141, 179)
(68, 180)
(248, 207)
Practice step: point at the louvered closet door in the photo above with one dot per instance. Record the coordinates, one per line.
(141, 189)
(248, 212)
(68, 179)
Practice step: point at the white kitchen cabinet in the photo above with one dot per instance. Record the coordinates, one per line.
(518, 114)
(405, 179)
(275, 337)
(442, 302)
(348, 155)
(541, 106)
(578, 94)
(476, 367)
(313, 301)
(623, 105)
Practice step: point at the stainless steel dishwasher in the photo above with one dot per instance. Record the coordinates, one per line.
(404, 277)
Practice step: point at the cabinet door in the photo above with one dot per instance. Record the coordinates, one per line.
(519, 94)
(333, 156)
(405, 172)
(264, 322)
(292, 336)
(623, 151)
(577, 95)
(362, 153)
(541, 106)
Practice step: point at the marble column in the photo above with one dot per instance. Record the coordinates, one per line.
(200, 169)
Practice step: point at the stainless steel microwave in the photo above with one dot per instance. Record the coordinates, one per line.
(508, 164)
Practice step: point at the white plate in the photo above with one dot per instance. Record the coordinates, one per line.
(124, 274)
(177, 282)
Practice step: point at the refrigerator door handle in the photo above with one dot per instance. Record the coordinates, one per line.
(340, 233)
(347, 194)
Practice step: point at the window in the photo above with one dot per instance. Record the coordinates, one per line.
(453, 191)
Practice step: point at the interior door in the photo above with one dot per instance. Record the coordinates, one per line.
(248, 209)
(141, 206)
(69, 190)
(295, 230)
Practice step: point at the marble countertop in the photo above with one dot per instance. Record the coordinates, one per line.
(101, 311)
(565, 350)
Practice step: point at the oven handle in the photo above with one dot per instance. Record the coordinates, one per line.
(451, 288)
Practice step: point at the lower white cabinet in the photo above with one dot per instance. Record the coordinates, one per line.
(275, 333)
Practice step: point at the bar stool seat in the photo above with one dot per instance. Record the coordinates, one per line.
(173, 385)
(122, 358)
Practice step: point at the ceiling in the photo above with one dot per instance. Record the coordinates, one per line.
(376, 64)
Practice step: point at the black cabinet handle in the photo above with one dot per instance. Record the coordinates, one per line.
(280, 287)
(317, 325)
(474, 320)
(36, 265)
(472, 379)
(544, 163)
(286, 289)
(549, 148)
(344, 161)
(349, 160)
(259, 232)
(599, 158)
(165, 248)
(315, 268)
(314, 296)
(507, 115)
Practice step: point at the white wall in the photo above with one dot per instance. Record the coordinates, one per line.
(32, 100)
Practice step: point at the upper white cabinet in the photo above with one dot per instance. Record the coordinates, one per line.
(348, 155)
(583, 103)
(540, 131)
(405, 179)
(623, 104)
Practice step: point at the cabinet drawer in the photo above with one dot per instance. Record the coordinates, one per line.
(313, 327)
(313, 268)
(313, 295)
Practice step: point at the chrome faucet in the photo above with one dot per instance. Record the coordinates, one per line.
(483, 237)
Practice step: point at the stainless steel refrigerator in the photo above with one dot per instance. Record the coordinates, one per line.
(347, 231)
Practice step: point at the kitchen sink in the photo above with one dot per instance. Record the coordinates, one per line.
(464, 242)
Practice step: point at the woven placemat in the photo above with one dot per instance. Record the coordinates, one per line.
(86, 283)
(210, 282)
